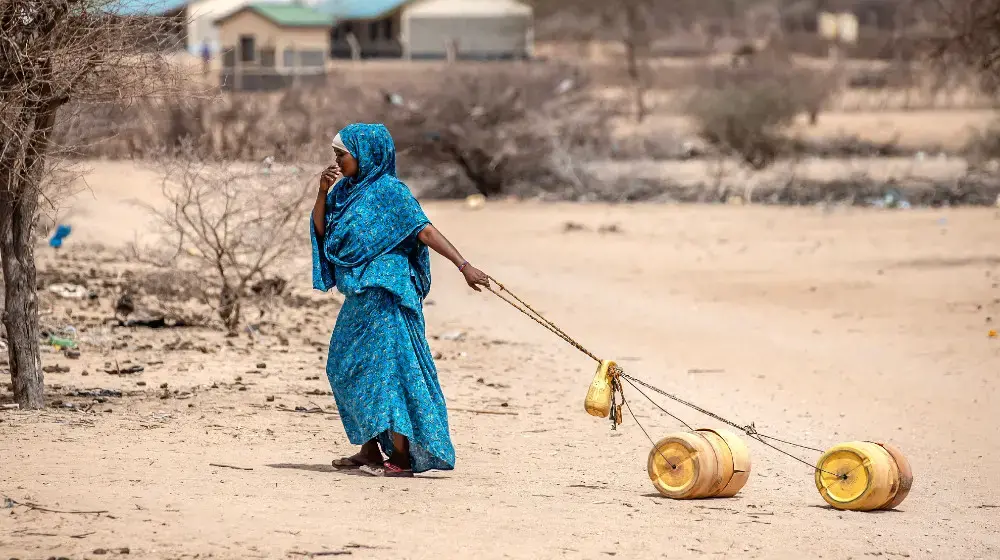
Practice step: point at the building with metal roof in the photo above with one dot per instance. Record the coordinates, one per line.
(271, 45)
(203, 13)
(422, 29)
(360, 9)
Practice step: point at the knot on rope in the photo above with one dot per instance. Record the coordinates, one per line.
(750, 430)
(617, 394)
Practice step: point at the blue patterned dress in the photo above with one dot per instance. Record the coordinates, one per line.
(380, 366)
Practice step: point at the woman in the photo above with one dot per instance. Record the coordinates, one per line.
(370, 240)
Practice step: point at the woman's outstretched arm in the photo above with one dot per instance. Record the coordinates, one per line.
(436, 240)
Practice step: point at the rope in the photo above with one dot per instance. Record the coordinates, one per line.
(537, 317)
(749, 429)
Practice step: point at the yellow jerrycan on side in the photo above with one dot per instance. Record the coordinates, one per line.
(598, 401)
(863, 476)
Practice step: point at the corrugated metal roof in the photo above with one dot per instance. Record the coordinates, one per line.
(143, 7)
(290, 15)
(473, 8)
(360, 9)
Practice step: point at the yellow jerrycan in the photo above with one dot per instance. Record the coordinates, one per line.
(598, 401)
(734, 457)
(685, 466)
(863, 476)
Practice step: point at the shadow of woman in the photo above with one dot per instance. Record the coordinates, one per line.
(328, 468)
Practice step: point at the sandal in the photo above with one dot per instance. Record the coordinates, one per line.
(351, 463)
(387, 470)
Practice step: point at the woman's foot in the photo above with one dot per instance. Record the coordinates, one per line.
(368, 456)
(400, 461)
(387, 470)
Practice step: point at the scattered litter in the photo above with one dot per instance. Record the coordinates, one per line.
(152, 320)
(230, 467)
(565, 86)
(475, 201)
(72, 354)
(573, 226)
(94, 393)
(992, 334)
(55, 369)
(13, 406)
(62, 232)
(393, 99)
(69, 291)
(893, 198)
(126, 371)
(60, 343)
(304, 410)
(453, 336)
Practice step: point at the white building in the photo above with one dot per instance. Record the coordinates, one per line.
(423, 29)
(473, 28)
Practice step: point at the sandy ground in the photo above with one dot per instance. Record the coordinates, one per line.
(819, 326)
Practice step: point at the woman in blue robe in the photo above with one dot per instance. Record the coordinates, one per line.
(370, 240)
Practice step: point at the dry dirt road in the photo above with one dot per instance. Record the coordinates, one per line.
(821, 327)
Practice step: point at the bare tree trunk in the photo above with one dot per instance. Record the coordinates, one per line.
(634, 36)
(229, 308)
(20, 315)
(18, 213)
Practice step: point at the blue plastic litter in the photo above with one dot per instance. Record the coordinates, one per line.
(62, 232)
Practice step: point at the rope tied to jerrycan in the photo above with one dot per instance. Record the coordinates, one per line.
(616, 374)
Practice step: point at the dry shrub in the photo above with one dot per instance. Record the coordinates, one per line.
(172, 285)
(984, 145)
(504, 129)
(226, 227)
(746, 111)
(966, 35)
(501, 125)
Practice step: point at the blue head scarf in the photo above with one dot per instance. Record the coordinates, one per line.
(372, 213)
(373, 148)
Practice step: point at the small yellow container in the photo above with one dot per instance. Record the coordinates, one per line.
(860, 476)
(598, 401)
(734, 458)
(685, 466)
